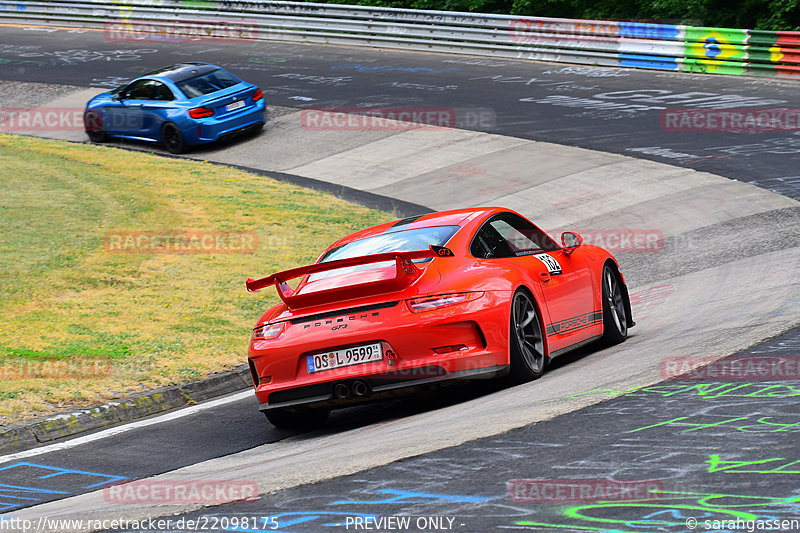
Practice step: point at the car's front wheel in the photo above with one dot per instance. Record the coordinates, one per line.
(528, 356)
(615, 316)
(93, 125)
(173, 139)
(297, 417)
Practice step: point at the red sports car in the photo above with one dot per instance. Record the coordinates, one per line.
(455, 295)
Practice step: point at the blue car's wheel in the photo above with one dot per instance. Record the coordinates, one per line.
(172, 139)
(93, 125)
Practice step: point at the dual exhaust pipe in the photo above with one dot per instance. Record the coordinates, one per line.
(356, 389)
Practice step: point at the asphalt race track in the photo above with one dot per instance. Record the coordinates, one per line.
(571, 147)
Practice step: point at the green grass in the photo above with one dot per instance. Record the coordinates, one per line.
(135, 320)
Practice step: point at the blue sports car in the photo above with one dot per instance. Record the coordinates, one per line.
(180, 106)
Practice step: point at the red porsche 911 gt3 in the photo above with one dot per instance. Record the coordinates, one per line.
(455, 295)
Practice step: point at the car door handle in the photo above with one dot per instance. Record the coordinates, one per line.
(545, 277)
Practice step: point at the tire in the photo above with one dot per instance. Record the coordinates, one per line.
(615, 316)
(93, 127)
(527, 347)
(172, 139)
(297, 417)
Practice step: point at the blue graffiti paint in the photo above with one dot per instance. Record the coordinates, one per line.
(644, 61)
(12, 496)
(6, 489)
(57, 471)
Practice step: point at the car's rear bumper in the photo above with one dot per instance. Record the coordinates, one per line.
(212, 129)
(415, 347)
(379, 387)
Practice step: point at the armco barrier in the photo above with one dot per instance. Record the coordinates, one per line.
(607, 43)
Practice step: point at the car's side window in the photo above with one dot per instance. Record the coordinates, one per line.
(161, 92)
(488, 244)
(523, 237)
(148, 90)
(138, 90)
(521, 240)
(508, 235)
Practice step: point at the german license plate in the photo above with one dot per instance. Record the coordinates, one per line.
(235, 105)
(344, 357)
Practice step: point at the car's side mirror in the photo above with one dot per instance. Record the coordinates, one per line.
(570, 240)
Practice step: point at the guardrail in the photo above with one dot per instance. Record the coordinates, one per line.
(606, 43)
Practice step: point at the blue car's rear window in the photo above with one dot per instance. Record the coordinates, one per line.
(207, 83)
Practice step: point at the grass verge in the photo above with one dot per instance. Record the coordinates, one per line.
(85, 318)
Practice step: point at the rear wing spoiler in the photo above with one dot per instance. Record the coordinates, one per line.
(406, 272)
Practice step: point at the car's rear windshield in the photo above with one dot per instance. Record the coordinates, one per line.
(396, 241)
(207, 83)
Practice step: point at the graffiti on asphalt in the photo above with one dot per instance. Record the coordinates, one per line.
(51, 481)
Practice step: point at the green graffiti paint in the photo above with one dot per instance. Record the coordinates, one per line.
(580, 513)
(710, 391)
(675, 505)
(716, 464)
(706, 391)
(762, 425)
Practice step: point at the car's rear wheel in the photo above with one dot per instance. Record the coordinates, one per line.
(615, 316)
(173, 139)
(298, 417)
(528, 356)
(93, 125)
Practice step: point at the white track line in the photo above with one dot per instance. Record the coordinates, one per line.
(127, 427)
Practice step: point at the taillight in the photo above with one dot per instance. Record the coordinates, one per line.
(258, 95)
(429, 303)
(201, 112)
(450, 348)
(268, 331)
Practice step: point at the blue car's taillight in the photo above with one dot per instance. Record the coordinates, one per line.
(258, 95)
(201, 112)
